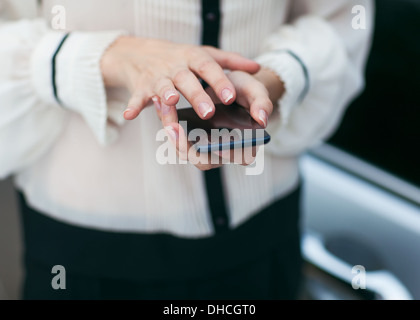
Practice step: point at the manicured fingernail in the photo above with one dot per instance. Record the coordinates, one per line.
(169, 94)
(264, 117)
(172, 132)
(205, 109)
(165, 109)
(227, 95)
(127, 111)
(157, 103)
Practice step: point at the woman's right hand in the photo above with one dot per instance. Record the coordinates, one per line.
(149, 68)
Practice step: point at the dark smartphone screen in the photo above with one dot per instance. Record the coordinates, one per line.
(231, 127)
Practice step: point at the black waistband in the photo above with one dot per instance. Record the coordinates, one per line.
(156, 257)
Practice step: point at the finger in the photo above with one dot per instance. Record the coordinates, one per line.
(165, 89)
(211, 72)
(158, 106)
(137, 103)
(212, 95)
(186, 82)
(259, 104)
(178, 137)
(232, 61)
(175, 132)
(261, 109)
(240, 156)
(168, 114)
(186, 150)
(208, 167)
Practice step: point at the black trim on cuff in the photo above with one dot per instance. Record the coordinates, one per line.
(54, 69)
(305, 70)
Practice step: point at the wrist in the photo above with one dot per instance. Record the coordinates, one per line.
(113, 59)
(108, 65)
(272, 82)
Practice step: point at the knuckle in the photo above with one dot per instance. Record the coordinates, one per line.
(181, 76)
(137, 97)
(142, 85)
(207, 47)
(138, 85)
(223, 59)
(162, 85)
(192, 52)
(220, 83)
(229, 57)
(196, 95)
(255, 90)
(248, 90)
(206, 66)
(146, 73)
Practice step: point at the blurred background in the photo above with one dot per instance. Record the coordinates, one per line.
(362, 188)
(362, 191)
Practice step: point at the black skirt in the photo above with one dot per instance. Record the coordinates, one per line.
(258, 260)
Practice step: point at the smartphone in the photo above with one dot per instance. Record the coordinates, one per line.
(231, 127)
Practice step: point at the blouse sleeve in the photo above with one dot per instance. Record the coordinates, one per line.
(320, 56)
(31, 117)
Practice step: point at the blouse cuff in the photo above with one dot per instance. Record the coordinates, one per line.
(294, 74)
(78, 77)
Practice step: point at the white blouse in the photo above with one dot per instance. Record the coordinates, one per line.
(81, 163)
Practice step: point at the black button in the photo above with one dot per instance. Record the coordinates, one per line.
(211, 17)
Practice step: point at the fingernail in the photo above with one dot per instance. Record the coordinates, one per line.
(165, 109)
(128, 110)
(227, 95)
(172, 133)
(264, 117)
(169, 94)
(205, 109)
(157, 104)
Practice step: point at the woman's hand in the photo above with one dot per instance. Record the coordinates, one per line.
(186, 150)
(149, 68)
(255, 93)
